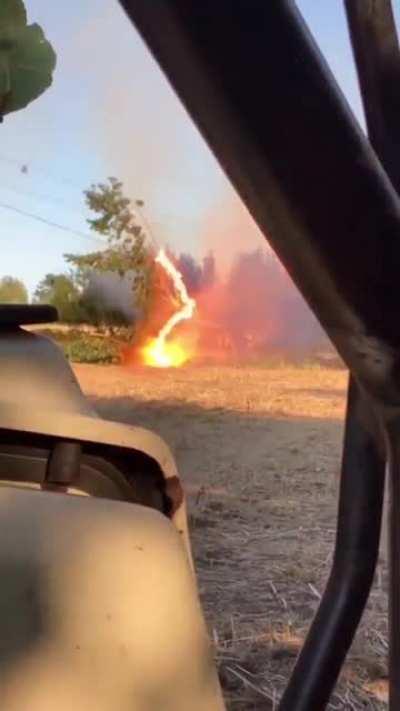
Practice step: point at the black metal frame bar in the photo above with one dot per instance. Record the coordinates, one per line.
(394, 549)
(377, 56)
(356, 553)
(252, 78)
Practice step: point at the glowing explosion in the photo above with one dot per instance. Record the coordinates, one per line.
(159, 352)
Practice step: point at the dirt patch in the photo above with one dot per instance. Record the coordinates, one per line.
(259, 452)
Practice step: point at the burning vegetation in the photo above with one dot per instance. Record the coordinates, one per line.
(251, 311)
(174, 308)
(160, 352)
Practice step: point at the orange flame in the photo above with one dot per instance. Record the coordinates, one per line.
(159, 352)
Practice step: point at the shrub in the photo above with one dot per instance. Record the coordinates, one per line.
(91, 350)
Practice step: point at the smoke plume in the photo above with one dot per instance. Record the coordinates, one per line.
(256, 309)
(246, 302)
(109, 292)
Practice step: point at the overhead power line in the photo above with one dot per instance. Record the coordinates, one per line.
(27, 166)
(42, 197)
(149, 225)
(50, 223)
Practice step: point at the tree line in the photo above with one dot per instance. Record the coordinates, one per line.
(118, 285)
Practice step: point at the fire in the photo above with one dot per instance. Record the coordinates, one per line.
(159, 352)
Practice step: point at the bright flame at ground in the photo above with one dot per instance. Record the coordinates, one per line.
(160, 353)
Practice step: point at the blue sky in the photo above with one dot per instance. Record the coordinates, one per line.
(111, 112)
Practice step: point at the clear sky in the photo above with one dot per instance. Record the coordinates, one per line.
(111, 112)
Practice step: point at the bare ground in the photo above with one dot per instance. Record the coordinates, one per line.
(259, 453)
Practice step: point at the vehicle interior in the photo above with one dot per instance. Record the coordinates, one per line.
(99, 605)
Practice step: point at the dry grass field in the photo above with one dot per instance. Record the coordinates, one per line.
(259, 453)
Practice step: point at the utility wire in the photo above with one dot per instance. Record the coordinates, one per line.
(26, 166)
(146, 227)
(62, 180)
(24, 169)
(77, 233)
(57, 225)
(44, 197)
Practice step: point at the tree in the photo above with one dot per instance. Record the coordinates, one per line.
(126, 251)
(209, 276)
(59, 291)
(198, 276)
(191, 271)
(27, 59)
(12, 291)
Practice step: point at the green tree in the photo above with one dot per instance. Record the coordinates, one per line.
(27, 59)
(60, 291)
(126, 251)
(12, 291)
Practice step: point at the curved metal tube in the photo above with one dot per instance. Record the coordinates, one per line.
(356, 553)
(377, 55)
(394, 585)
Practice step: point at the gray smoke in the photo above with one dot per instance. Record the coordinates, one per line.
(110, 292)
(197, 276)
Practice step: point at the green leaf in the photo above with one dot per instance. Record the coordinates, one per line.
(27, 59)
(12, 13)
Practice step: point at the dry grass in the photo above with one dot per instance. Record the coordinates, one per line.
(259, 450)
